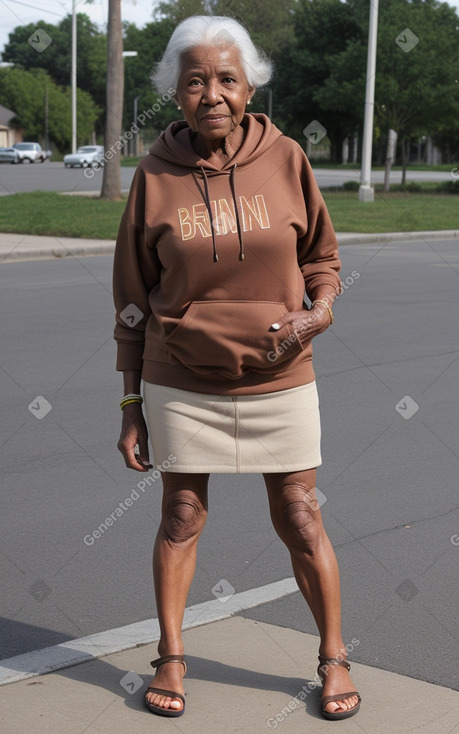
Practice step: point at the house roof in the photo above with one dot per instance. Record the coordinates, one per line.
(5, 116)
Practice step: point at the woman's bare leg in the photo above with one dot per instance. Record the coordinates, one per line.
(184, 513)
(297, 520)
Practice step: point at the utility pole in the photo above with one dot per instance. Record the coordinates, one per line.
(46, 118)
(74, 77)
(366, 191)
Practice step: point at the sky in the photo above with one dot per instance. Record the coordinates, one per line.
(23, 12)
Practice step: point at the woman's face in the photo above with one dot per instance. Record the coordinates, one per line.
(212, 90)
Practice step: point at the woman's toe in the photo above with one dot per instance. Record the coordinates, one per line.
(345, 705)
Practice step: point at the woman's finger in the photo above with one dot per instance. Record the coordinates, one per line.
(134, 460)
(288, 318)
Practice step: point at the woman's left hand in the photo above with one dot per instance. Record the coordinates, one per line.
(306, 324)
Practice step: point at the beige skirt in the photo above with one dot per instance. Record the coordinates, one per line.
(195, 432)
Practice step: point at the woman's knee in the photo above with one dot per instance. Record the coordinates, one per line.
(184, 513)
(297, 518)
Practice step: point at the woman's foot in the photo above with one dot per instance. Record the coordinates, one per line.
(170, 670)
(339, 697)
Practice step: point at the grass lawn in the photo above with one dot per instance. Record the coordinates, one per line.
(43, 213)
(393, 212)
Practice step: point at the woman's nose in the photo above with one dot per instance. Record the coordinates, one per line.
(211, 94)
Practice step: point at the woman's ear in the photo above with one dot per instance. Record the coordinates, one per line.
(252, 91)
(176, 102)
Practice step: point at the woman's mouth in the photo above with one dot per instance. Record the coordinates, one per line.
(214, 119)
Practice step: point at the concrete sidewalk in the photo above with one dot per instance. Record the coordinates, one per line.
(17, 247)
(243, 676)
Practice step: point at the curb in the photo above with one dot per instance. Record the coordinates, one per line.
(355, 238)
(25, 252)
(59, 248)
(74, 652)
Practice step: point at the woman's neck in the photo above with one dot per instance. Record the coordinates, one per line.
(218, 151)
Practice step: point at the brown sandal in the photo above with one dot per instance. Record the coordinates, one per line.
(160, 710)
(339, 697)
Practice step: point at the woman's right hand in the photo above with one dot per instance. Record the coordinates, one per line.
(134, 433)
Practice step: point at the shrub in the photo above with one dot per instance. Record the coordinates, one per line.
(448, 187)
(351, 186)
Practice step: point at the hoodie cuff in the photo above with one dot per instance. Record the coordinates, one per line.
(129, 356)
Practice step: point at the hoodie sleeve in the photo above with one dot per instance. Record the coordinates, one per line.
(136, 271)
(317, 247)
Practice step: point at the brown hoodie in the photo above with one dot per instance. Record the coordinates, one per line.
(207, 259)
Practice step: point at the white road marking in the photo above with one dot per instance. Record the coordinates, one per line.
(95, 646)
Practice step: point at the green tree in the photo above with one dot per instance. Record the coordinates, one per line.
(25, 92)
(323, 31)
(417, 66)
(417, 72)
(56, 58)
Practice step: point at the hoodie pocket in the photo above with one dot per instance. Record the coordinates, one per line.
(233, 338)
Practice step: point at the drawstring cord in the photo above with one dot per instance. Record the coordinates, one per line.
(209, 211)
(236, 211)
(238, 223)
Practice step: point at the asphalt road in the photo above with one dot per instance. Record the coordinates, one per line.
(387, 372)
(52, 176)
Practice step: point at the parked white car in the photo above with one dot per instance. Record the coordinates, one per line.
(87, 155)
(31, 152)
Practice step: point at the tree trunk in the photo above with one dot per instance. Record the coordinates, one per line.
(404, 160)
(111, 183)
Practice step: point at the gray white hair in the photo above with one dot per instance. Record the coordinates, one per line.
(203, 30)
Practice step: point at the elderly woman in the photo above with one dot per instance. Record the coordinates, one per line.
(224, 232)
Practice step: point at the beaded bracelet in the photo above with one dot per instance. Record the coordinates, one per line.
(132, 398)
(327, 306)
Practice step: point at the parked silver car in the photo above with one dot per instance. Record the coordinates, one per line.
(87, 155)
(31, 152)
(9, 155)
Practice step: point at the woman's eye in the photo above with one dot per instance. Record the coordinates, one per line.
(229, 80)
(194, 82)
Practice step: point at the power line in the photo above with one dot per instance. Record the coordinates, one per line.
(34, 7)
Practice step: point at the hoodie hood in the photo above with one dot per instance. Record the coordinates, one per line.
(174, 144)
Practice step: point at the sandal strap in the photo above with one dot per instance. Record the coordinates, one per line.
(163, 692)
(169, 659)
(340, 697)
(334, 661)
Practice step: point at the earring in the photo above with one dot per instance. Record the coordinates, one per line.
(178, 107)
(249, 101)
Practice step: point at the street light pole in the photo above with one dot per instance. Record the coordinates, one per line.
(74, 77)
(366, 192)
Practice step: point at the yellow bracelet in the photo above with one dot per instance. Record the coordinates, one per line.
(131, 399)
(325, 303)
(128, 402)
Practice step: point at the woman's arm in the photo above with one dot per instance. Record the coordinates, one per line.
(136, 270)
(133, 428)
